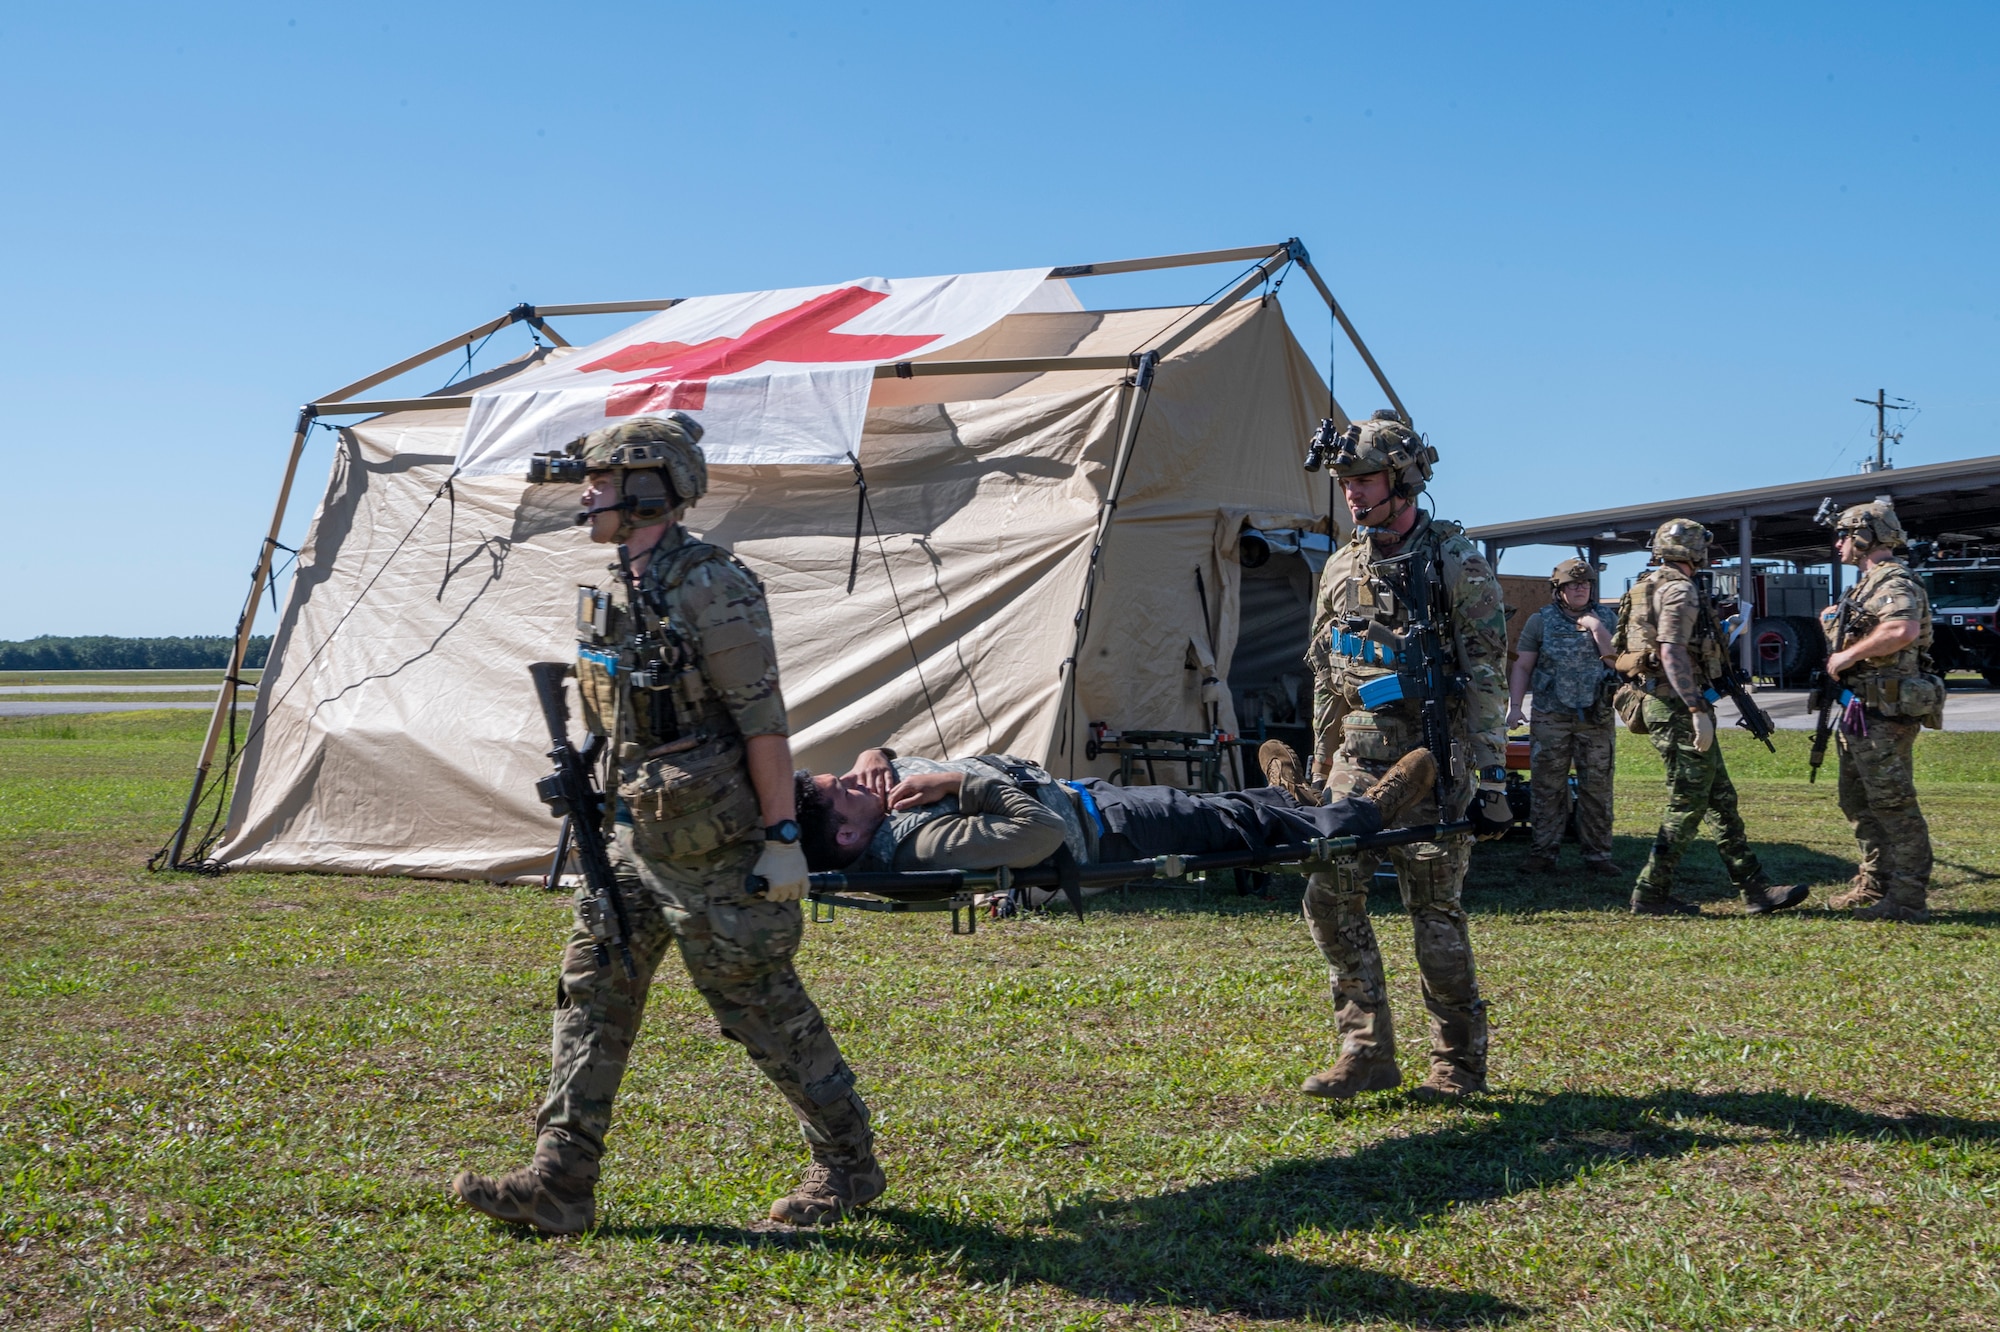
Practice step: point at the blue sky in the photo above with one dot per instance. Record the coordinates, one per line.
(1607, 252)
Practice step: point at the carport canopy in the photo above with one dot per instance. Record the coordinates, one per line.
(1932, 500)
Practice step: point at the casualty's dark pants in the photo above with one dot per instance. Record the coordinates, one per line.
(1144, 821)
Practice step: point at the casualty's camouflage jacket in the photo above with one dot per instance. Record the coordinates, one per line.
(1356, 582)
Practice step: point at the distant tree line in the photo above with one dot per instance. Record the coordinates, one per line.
(103, 653)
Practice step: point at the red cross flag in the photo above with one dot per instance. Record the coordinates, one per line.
(773, 376)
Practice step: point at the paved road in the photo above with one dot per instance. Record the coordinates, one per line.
(114, 687)
(1964, 709)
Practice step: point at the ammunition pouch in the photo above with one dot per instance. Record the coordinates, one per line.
(1630, 705)
(691, 802)
(1635, 663)
(1918, 698)
(1377, 737)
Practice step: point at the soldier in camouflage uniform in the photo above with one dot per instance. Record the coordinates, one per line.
(679, 673)
(1368, 691)
(1563, 656)
(1880, 638)
(1670, 652)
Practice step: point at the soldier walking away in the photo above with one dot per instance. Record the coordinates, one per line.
(1564, 659)
(1879, 639)
(678, 672)
(1670, 651)
(1405, 589)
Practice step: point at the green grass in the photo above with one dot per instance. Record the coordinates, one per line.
(234, 1102)
(191, 678)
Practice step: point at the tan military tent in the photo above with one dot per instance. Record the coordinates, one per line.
(395, 729)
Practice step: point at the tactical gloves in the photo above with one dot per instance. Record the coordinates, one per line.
(1704, 731)
(782, 867)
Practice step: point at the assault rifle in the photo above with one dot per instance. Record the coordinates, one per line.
(1748, 715)
(571, 794)
(1824, 694)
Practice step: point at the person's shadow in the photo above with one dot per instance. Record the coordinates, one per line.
(1210, 1247)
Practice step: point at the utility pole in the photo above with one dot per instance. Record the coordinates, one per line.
(1883, 404)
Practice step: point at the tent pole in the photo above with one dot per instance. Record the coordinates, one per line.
(1367, 357)
(1142, 387)
(225, 700)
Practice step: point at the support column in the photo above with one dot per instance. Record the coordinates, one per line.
(1592, 554)
(1746, 598)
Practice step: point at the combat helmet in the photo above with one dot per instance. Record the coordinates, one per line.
(1682, 539)
(1872, 524)
(658, 463)
(1569, 571)
(1384, 443)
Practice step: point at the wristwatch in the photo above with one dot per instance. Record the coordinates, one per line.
(785, 830)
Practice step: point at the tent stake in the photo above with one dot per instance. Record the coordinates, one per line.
(225, 699)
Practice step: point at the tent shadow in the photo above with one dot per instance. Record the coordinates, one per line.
(1221, 1247)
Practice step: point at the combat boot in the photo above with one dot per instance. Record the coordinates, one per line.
(1409, 780)
(1353, 1074)
(1283, 770)
(1602, 868)
(1895, 907)
(1761, 899)
(1540, 864)
(1449, 1082)
(1860, 893)
(828, 1193)
(556, 1193)
(1662, 906)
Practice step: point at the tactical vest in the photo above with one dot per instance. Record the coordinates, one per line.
(1636, 639)
(1904, 683)
(1569, 675)
(682, 774)
(1381, 686)
(898, 826)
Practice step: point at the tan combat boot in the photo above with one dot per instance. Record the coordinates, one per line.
(1860, 893)
(1353, 1074)
(828, 1193)
(1896, 907)
(1449, 1082)
(556, 1193)
(1283, 770)
(1404, 786)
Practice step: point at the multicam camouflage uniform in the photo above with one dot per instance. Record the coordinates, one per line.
(687, 835)
(675, 679)
(1358, 744)
(1573, 725)
(1878, 791)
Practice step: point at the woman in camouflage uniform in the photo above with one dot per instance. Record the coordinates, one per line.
(1563, 655)
(1880, 638)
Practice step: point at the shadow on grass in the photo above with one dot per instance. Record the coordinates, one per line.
(1209, 1246)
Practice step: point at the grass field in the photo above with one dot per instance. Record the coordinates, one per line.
(234, 1102)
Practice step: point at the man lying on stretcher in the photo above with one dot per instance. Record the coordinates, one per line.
(892, 813)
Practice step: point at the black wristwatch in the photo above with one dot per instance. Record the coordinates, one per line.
(785, 830)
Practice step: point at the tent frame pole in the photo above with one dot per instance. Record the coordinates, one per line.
(225, 699)
(1367, 357)
(1144, 366)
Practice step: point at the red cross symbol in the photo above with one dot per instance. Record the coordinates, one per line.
(680, 371)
